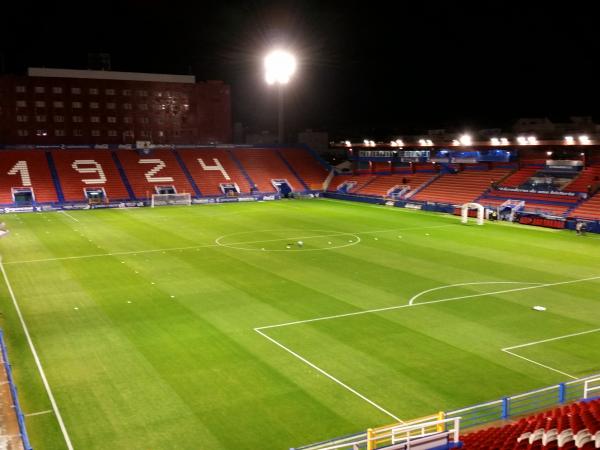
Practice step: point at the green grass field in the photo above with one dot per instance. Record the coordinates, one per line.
(190, 327)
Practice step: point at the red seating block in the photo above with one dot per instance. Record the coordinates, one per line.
(33, 172)
(263, 165)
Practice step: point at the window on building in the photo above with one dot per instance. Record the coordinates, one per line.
(109, 92)
(77, 119)
(40, 104)
(112, 133)
(142, 93)
(22, 118)
(96, 133)
(40, 118)
(143, 106)
(126, 92)
(126, 105)
(41, 132)
(93, 91)
(144, 120)
(58, 104)
(111, 119)
(76, 105)
(75, 90)
(111, 105)
(21, 104)
(128, 133)
(59, 118)
(145, 133)
(23, 132)
(20, 89)
(57, 90)
(77, 132)
(59, 133)
(158, 94)
(40, 89)
(161, 134)
(95, 119)
(94, 105)
(127, 120)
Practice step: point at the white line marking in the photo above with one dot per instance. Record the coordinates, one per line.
(69, 215)
(193, 247)
(528, 344)
(39, 413)
(411, 301)
(540, 364)
(388, 308)
(331, 377)
(37, 359)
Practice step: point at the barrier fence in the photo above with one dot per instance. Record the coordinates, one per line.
(13, 393)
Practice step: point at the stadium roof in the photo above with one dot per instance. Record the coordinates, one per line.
(110, 75)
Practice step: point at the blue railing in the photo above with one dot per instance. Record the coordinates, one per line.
(13, 393)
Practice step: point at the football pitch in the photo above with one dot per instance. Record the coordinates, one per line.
(211, 327)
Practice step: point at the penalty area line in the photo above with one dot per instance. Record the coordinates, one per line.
(38, 363)
(540, 364)
(328, 375)
(69, 216)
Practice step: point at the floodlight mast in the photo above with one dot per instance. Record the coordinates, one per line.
(280, 65)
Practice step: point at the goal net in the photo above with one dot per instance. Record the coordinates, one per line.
(171, 199)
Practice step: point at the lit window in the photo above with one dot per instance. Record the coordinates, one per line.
(76, 105)
(94, 105)
(142, 93)
(59, 133)
(161, 134)
(40, 104)
(93, 91)
(22, 118)
(40, 90)
(112, 133)
(109, 92)
(57, 90)
(59, 118)
(58, 104)
(96, 133)
(41, 132)
(21, 103)
(75, 90)
(95, 119)
(77, 119)
(128, 133)
(126, 92)
(111, 105)
(40, 118)
(20, 89)
(111, 119)
(77, 133)
(126, 105)
(23, 132)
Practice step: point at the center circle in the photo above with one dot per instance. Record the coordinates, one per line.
(287, 240)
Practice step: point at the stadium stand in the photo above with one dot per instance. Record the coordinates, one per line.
(534, 202)
(382, 184)
(530, 206)
(461, 187)
(306, 166)
(567, 427)
(85, 169)
(589, 176)
(520, 176)
(147, 173)
(589, 209)
(210, 176)
(32, 172)
(360, 180)
(263, 166)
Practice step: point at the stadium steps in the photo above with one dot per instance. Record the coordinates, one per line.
(289, 166)
(242, 169)
(380, 185)
(530, 206)
(208, 181)
(459, 188)
(262, 165)
(40, 175)
(136, 172)
(361, 181)
(423, 186)
(566, 427)
(589, 209)
(187, 174)
(519, 177)
(115, 159)
(307, 166)
(55, 177)
(71, 180)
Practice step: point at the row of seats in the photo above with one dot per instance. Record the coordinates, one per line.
(567, 427)
(120, 173)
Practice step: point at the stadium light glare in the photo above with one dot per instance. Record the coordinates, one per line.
(504, 141)
(455, 142)
(393, 144)
(495, 141)
(280, 65)
(348, 144)
(532, 140)
(465, 140)
(372, 143)
(549, 153)
(366, 142)
(399, 142)
(584, 139)
(522, 140)
(569, 140)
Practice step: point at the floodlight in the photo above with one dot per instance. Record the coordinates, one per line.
(504, 141)
(549, 153)
(399, 143)
(279, 67)
(422, 142)
(466, 140)
(522, 140)
(532, 140)
(393, 143)
(455, 142)
(366, 142)
(495, 141)
(348, 144)
(570, 140)
(585, 140)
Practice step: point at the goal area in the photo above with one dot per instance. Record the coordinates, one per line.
(171, 200)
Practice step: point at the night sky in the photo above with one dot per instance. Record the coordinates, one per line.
(366, 68)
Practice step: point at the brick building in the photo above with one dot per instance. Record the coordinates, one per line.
(60, 106)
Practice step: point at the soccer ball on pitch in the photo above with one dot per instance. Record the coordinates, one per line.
(300, 244)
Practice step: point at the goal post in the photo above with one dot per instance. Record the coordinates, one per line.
(171, 200)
